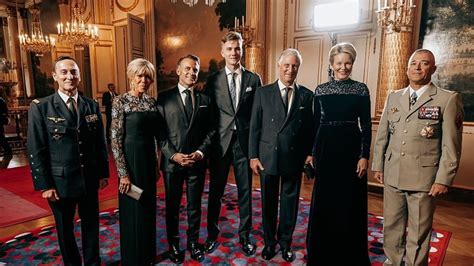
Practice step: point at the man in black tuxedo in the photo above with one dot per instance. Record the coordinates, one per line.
(232, 90)
(68, 160)
(107, 99)
(281, 137)
(187, 116)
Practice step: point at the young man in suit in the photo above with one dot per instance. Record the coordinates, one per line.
(416, 156)
(232, 90)
(107, 99)
(187, 115)
(68, 160)
(281, 138)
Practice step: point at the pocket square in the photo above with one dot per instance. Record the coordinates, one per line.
(202, 106)
(301, 107)
(248, 89)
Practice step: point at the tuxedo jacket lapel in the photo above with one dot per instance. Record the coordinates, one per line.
(243, 86)
(223, 93)
(197, 103)
(295, 105)
(179, 103)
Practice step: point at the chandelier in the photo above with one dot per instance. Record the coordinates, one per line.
(37, 42)
(191, 3)
(395, 15)
(75, 32)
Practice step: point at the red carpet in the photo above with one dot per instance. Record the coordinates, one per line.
(19, 202)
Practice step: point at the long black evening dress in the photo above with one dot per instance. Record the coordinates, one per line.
(337, 229)
(134, 134)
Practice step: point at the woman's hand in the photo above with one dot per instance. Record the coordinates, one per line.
(125, 184)
(362, 167)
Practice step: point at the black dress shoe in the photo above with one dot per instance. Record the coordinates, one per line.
(175, 255)
(268, 252)
(210, 245)
(196, 252)
(247, 246)
(287, 254)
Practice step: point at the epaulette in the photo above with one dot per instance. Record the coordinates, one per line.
(36, 101)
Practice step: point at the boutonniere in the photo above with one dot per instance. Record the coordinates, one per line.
(91, 118)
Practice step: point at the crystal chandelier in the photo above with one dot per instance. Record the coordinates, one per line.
(191, 3)
(395, 15)
(75, 32)
(37, 42)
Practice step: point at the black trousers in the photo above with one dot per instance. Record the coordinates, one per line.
(219, 172)
(3, 141)
(288, 188)
(63, 211)
(174, 190)
(108, 123)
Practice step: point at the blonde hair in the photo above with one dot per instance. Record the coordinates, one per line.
(343, 47)
(140, 66)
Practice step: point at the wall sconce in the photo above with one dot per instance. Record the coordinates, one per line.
(248, 33)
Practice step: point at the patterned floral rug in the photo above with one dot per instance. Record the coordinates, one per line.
(40, 246)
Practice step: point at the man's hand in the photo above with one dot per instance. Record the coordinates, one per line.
(125, 184)
(362, 167)
(309, 160)
(438, 190)
(183, 159)
(50, 194)
(379, 176)
(256, 166)
(196, 156)
(104, 182)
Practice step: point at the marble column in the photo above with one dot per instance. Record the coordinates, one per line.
(255, 36)
(397, 49)
(14, 53)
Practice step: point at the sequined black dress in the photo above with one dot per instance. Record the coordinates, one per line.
(337, 229)
(134, 131)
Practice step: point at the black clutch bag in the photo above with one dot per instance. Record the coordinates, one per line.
(309, 171)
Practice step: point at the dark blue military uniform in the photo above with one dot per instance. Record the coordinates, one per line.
(69, 155)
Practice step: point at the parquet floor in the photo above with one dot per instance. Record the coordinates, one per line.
(452, 215)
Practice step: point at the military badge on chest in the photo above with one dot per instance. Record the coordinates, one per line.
(392, 124)
(431, 113)
(91, 121)
(56, 127)
(427, 132)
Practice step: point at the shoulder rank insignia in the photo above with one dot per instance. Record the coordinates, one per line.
(36, 101)
(56, 119)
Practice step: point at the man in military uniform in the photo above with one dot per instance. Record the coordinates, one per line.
(416, 156)
(68, 160)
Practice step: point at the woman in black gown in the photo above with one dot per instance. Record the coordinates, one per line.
(134, 133)
(337, 229)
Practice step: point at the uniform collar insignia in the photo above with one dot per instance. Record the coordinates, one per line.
(394, 110)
